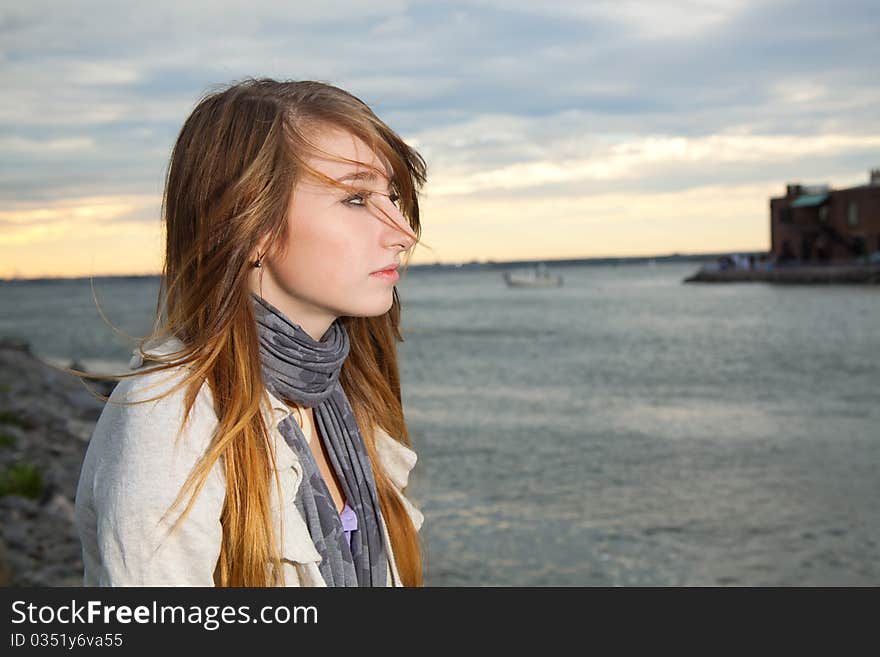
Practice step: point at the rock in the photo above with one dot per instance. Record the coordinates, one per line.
(5, 568)
(61, 507)
(56, 575)
(18, 344)
(48, 418)
(82, 428)
(16, 535)
(90, 416)
(20, 507)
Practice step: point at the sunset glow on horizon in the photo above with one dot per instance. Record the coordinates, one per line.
(578, 131)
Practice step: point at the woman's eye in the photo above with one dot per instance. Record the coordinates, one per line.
(359, 200)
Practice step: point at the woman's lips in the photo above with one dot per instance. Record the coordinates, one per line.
(387, 275)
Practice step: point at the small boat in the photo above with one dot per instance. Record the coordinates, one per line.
(535, 277)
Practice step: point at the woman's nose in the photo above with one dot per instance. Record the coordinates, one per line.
(397, 224)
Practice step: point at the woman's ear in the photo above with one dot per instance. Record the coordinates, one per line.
(260, 251)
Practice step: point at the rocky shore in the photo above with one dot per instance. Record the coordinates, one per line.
(793, 274)
(46, 420)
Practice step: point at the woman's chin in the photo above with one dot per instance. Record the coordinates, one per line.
(375, 309)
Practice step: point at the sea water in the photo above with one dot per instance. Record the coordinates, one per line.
(623, 429)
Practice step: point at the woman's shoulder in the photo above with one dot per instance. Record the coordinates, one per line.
(146, 412)
(160, 394)
(154, 380)
(139, 458)
(144, 444)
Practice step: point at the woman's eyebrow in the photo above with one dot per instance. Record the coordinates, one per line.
(368, 176)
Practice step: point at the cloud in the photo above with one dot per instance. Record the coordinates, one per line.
(504, 99)
(24, 223)
(12, 145)
(501, 152)
(641, 18)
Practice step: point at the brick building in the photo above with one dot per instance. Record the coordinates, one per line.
(818, 224)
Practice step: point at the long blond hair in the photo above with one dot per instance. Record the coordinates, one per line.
(229, 183)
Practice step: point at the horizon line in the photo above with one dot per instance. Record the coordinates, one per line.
(427, 265)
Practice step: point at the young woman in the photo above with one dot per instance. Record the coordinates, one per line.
(260, 440)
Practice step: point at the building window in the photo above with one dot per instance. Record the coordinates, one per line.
(785, 215)
(806, 249)
(823, 214)
(852, 213)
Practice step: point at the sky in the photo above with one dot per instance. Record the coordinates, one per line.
(551, 130)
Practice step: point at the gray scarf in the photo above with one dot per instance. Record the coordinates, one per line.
(298, 369)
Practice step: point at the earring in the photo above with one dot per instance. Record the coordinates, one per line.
(259, 265)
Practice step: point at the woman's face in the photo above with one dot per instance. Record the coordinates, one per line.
(335, 240)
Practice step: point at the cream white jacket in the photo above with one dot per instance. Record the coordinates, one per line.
(134, 468)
